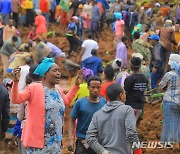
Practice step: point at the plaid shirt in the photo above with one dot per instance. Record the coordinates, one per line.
(171, 81)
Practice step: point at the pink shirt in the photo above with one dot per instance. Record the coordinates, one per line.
(119, 30)
(33, 131)
(40, 23)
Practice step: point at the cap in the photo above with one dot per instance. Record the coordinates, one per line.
(154, 37)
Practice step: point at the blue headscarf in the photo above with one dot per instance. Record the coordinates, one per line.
(118, 15)
(44, 66)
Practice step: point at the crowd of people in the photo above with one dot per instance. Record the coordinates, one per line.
(106, 101)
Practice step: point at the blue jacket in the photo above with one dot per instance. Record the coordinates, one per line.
(94, 63)
(5, 7)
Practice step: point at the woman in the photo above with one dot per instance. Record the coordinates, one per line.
(42, 132)
(40, 23)
(119, 27)
(171, 101)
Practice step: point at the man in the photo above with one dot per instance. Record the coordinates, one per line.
(131, 21)
(121, 51)
(9, 31)
(15, 9)
(109, 76)
(167, 40)
(44, 7)
(87, 47)
(5, 9)
(94, 63)
(96, 15)
(135, 85)
(83, 111)
(8, 48)
(157, 63)
(4, 111)
(113, 128)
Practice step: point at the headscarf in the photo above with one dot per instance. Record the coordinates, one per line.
(87, 73)
(44, 66)
(117, 64)
(118, 15)
(168, 23)
(174, 62)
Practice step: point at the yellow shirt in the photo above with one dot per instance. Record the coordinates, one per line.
(27, 4)
(82, 92)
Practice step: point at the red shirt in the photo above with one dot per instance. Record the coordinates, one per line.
(44, 6)
(103, 89)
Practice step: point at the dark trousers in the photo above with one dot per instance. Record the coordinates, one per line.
(94, 29)
(16, 19)
(80, 149)
(129, 30)
(73, 43)
(154, 79)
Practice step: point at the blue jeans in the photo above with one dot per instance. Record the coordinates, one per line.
(154, 79)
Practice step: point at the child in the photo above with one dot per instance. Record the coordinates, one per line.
(135, 85)
(119, 27)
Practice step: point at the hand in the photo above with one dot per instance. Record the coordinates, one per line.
(79, 78)
(106, 152)
(154, 70)
(16, 73)
(71, 146)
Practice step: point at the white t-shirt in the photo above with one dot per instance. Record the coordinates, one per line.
(88, 45)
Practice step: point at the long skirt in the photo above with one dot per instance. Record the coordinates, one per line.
(171, 124)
